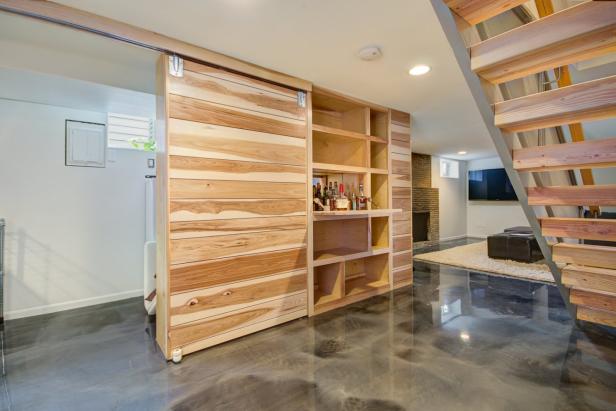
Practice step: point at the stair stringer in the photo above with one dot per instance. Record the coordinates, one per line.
(499, 139)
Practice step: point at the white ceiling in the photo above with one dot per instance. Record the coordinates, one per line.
(318, 40)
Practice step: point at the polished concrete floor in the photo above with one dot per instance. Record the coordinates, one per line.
(456, 340)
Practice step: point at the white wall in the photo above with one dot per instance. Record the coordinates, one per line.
(74, 234)
(452, 201)
(489, 217)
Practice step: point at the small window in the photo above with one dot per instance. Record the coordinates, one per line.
(132, 132)
(450, 168)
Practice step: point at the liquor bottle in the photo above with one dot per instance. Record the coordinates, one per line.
(342, 202)
(353, 198)
(362, 201)
(326, 198)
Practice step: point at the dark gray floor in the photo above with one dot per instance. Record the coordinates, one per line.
(456, 340)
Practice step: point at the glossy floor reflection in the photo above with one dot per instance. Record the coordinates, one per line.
(457, 340)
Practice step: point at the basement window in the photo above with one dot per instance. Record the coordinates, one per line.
(450, 168)
(130, 132)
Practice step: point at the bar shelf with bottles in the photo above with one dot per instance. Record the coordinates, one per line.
(351, 208)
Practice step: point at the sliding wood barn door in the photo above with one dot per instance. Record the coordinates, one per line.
(237, 207)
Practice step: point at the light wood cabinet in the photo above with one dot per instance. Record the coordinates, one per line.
(353, 255)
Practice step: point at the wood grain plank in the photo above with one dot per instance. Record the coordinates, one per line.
(200, 330)
(400, 118)
(186, 277)
(242, 331)
(583, 228)
(188, 250)
(476, 11)
(401, 227)
(194, 210)
(589, 153)
(574, 34)
(188, 138)
(589, 278)
(401, 180)
(223, 74)
(200, 304)
(592, 300)
(400, 167)
(596, 316)
(185, 108)
(602, 195)
(403, 276)
(232, 170)
(404, 204)
(583, 254)
(401, 192)
(403, 243)
(403, 259)
(214, 90)
(222, 189)
(191, 229)
(592, 100)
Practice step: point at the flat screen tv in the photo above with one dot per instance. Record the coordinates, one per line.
(490, 185)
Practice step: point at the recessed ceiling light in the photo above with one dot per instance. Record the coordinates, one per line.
(419, 70)
(461, 153)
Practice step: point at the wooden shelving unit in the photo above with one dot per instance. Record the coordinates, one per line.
(352, 250)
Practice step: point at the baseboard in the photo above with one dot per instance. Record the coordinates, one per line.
(455, 237)
(69, 305)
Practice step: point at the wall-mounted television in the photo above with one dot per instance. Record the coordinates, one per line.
(490, 185)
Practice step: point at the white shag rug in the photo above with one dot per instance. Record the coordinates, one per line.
(475, 257)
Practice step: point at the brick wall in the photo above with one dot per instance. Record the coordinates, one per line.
(422, 170)
(425, 198)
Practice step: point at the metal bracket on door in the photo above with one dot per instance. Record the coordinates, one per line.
(176, 66)
(301, 99)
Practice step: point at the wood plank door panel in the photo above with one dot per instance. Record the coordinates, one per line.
(237, 210)
(402, 266)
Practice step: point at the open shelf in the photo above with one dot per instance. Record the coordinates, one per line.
(379, 120)
(338, 169)
(339, 150)
(337, 238)
(378, 156)
(379, 188)
(332, 131)
(343, 283)
(367, 275)
(332, 110)
(338, 255)
(379, 230)
(327, 215)
(328, 283)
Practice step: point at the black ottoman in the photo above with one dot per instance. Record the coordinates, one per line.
(514, 246)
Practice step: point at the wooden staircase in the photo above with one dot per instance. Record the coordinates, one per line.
(585, 274)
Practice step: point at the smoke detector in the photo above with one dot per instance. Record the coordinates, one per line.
(370, 53)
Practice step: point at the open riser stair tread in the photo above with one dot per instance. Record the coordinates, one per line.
(592, 279)
(594, 300)
(581, 228)
(585, 255)
(601, 195)
(596, 316)
(554, 157)
(577, 33)
(476, 11)
(591, 100)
